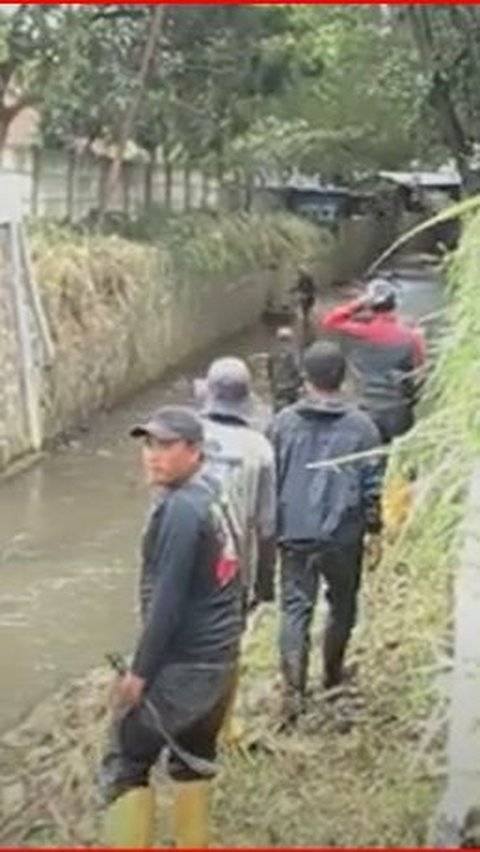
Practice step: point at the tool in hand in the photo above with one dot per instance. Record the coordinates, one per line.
(205, 768)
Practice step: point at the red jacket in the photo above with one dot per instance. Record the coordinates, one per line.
(384, 357)
(383, 329)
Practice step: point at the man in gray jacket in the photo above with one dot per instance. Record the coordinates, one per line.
(241, 458)
(329, 488)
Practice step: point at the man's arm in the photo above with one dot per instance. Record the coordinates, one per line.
(343, 319)
(419, 347)
(173, 557)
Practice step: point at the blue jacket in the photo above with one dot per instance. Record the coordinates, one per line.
(318, 505)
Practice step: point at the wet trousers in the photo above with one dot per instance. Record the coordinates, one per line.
(339, 565)
(192, 700)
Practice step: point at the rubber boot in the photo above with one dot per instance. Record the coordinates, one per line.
(129, 821)
(294, 674)
(233, 728)
(190, 814)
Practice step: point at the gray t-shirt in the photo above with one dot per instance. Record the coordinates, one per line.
(242, 460)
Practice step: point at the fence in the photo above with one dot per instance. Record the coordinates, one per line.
(63, 185)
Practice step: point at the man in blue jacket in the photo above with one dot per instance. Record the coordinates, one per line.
(329, 489)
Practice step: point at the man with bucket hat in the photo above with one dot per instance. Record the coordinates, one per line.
(183, 669)
(241, 458)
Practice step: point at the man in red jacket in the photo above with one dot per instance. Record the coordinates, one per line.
(385, 355)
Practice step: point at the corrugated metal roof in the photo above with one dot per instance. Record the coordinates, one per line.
(424, 179)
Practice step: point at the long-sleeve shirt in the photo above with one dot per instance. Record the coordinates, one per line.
(382, 328)
(384, 357)
(190, 585)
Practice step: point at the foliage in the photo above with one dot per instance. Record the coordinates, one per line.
(29, 57)
(447, 40)
(254, 90)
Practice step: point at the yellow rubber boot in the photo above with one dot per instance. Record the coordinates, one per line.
(129, 821)
(397, 500)
(190, 814)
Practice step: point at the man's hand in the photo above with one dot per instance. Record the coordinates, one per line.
(373, 551)
(130, 689)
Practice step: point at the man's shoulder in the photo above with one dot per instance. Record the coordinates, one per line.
(242, 437)
(191, 501)
(288, 414)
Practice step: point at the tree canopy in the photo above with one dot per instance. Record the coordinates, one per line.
(331, 90)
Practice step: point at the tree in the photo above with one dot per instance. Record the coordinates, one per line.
(29, 54)
(447, 40)
(360, 97)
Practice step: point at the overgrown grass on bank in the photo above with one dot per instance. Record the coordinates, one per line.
(72, 266)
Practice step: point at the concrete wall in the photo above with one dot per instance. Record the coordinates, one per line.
(133, 342)
(55, 186)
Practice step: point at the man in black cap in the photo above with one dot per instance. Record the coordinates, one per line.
(329, 487)
(186, 656)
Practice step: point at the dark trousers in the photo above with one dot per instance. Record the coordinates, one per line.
(339, 564)
(192, 700)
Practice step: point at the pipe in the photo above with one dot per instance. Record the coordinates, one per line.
(27, 363)
(35, 301)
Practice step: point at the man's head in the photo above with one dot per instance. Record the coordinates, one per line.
(381, 295)
(228, 389)
(324, 367)
(172, 445)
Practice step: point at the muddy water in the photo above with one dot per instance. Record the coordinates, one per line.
(68, 534)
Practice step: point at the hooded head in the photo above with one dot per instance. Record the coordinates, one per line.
(228, 389)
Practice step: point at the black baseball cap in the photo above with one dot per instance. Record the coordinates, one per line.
(171, 423)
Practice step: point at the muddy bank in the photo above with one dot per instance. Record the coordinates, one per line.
(364, 772)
